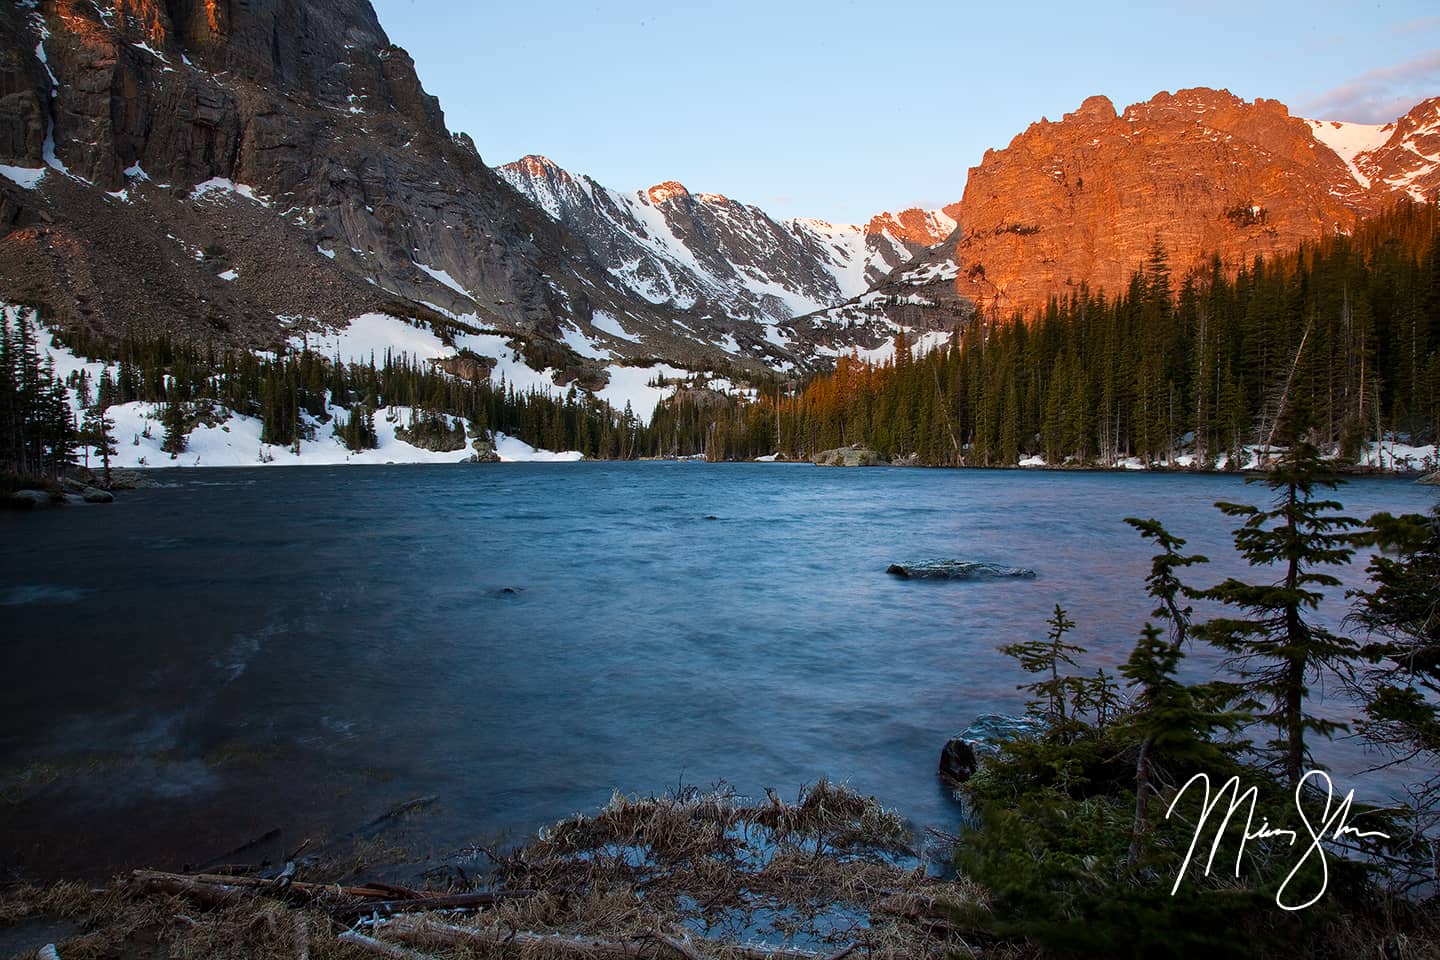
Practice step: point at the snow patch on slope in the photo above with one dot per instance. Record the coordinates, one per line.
(604, 322)
(218, 187)
(633, 385)
(235, 441)
(443, 277)
(1348, 140)
(27, 178)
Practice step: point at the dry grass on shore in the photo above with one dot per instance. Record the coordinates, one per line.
(687, 876)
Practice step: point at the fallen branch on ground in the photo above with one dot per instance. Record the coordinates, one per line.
(422, 932)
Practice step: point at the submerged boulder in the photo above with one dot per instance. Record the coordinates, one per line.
(958, 570)
(852, 456)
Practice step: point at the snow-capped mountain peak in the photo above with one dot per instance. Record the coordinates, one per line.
(717, 258)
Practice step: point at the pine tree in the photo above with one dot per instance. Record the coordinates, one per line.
(1047, 657)
(1401, 615)
(176, 439)
(98, 433)
(1172, 720)
(105, 393)
(1276, 646)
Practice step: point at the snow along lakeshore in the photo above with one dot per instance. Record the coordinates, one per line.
(235, 440)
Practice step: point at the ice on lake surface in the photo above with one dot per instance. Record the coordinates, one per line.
(194, 666)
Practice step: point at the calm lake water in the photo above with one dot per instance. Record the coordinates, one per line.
(247, 650)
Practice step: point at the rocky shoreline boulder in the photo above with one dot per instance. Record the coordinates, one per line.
(29, 499)
(77, 487)
(958, 761)
(86, 493)
(484, 451)
(856, 455)
(962, 754)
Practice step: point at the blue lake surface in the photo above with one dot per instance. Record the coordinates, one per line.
(303, 648)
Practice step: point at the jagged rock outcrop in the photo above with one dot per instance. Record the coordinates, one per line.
(914, 227)
(1084, 200)
(1405, 160)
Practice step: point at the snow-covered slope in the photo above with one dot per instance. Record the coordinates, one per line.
(1350, 140)
(1393, 158)
(717, 258)
(234, 439)
(919, 301)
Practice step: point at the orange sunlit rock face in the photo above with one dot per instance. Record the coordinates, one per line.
(150, 14)
(915, 226)
(1201, 171)
(666, 191)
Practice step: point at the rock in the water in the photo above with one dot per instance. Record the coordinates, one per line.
(1430, 479)
(958, 570)
(964, 752)
(29, 499)
(85, 492)
(132, 480)
(958, 761)
(852, 456)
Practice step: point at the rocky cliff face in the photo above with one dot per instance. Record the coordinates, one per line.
(1084, 200)
(235, 169)
(726, 266)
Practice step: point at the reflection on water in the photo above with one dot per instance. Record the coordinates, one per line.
(194, 666)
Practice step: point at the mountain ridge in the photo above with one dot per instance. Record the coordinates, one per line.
(239, 173)
(727, 261)
(1082, 202)
(1200, 171)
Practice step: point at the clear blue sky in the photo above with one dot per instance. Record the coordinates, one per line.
(840, 109)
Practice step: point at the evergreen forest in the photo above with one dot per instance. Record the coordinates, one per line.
(1337, 342)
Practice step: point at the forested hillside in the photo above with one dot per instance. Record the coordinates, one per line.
(1337, 341)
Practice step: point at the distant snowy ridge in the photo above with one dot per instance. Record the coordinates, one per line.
(1398, 157)
(706, 253)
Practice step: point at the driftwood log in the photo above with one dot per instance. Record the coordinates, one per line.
(375, 898)
(420, 932)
